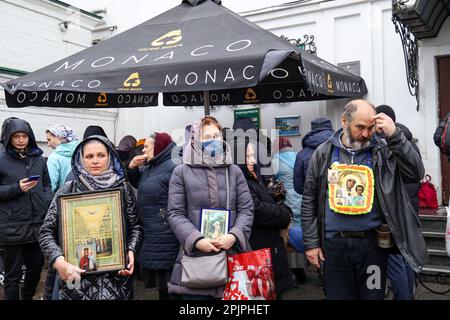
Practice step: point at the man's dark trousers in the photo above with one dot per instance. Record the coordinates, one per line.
(29, 255)
(354, 267)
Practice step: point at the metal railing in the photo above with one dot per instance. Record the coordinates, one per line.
(409, 44)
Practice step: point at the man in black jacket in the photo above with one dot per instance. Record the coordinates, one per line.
(339, 226)
(23, 206)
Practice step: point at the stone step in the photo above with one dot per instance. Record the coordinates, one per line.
(434, 234)
(438, 252)
(433, 223)
(435, 269)
(436, 274)
(435, 243)
(438, 258)
(435, 240)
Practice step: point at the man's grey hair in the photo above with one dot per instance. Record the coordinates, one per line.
(351, 107)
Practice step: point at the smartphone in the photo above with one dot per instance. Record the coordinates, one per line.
(34, 178)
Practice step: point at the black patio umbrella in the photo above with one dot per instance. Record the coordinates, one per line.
(197, 53)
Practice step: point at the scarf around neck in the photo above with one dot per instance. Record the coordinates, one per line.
(103, 181)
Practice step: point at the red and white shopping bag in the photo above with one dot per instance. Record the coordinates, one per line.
(250, 276)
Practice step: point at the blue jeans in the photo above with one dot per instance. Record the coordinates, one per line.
(354, 268)
(402, 277)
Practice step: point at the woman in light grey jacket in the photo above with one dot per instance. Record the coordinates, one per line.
(201, 182)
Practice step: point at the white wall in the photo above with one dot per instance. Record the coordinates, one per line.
(30, 39)
(429, 50)
(357, 30)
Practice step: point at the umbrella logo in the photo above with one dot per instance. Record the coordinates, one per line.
(102, 100)
(330, 84)
(169, 39)
(250, 96)
(133, 81)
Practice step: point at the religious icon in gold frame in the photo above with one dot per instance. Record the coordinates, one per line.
(92, 230)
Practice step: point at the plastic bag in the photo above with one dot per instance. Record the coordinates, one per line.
(427, 194)
(250, 276)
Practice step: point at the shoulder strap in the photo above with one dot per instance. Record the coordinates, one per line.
(227, 179)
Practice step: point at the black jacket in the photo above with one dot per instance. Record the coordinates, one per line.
(411, 188)
(105, 286)
(310, 142)
(269, 219)
(395, 163)
(439, 135)
(21, 214)
(160, 247)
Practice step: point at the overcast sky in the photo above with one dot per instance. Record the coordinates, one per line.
(127, 14)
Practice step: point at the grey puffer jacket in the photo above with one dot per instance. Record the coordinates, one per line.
(395, 163)
(194, 185)
(104, 286)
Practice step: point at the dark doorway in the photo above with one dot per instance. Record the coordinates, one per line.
(444, 109)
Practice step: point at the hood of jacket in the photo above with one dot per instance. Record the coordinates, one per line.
(19, 125)
(321, 123)
(117, 165)
(194, 156)
(67, 149)
(164, 155)
(316, 137)
(405, 131)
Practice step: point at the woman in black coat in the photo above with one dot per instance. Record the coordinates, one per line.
(269, 219)
(96, 166)
(150, 173)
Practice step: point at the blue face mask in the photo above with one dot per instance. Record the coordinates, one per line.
(212, 147)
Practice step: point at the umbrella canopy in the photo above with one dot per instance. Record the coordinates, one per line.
(196, 47)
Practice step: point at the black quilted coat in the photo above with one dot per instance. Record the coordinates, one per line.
(105, 286)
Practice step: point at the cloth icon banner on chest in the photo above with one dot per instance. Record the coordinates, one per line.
(350, 189)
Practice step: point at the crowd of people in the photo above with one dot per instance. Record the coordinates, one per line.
(298, 211)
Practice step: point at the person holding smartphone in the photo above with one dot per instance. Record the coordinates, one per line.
(25, 195)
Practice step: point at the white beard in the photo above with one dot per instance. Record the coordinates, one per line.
(351, 143)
